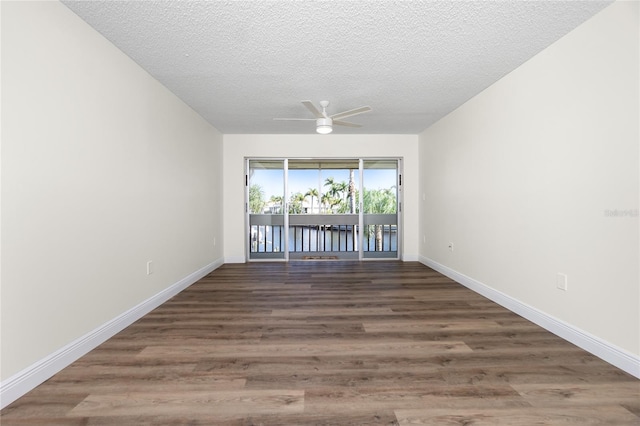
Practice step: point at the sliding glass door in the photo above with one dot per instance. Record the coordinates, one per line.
(380, 208)
(322, 208)
(265, 208)
(323, 214)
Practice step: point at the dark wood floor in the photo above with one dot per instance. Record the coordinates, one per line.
(332, 343)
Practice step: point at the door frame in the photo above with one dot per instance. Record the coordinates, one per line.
(361, 222)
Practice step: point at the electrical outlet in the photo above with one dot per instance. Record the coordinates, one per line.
(561, 281)
(450, 246)
(150, 267)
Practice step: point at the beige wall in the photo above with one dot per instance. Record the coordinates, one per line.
(237, 147)
(103, 169)
(523, 179)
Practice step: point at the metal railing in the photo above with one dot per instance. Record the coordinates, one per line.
(335, 233)
(323, 238)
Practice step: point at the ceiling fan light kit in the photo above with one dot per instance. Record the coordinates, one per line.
(324, 126)
(324, 122)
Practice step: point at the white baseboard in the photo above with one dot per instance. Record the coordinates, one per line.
(606, 351)
(235, 259)
(24, 381)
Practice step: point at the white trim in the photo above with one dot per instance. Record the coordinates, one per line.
(410, 258)
(602, 349)
(24, 381)
(235, 259)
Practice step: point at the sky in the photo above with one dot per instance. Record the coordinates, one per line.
(271, 181)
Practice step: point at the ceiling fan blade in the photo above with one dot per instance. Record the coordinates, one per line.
(350, 112)
(346, 123)
(311, 107)
(294, 119)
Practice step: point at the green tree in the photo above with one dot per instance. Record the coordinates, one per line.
(295, 203)
(328, 202)
(333, 186)
(336, 195)
(313, 193)
(381, 201)
(256, 199)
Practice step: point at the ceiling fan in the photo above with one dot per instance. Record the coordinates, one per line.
(324, 122)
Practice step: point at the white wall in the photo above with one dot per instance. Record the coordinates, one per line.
(103, 169)
(237, 147)
(523, 176)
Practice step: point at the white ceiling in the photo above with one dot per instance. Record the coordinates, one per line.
(242, 63)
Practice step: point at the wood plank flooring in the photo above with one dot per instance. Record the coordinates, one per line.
(332, 343)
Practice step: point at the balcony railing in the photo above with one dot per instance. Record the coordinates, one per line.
(336, 234)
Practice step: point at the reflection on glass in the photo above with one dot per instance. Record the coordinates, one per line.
(266, 209)
(380, 206)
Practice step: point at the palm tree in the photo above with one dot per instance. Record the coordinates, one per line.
(328, 201)
(295, 203)
(379, 200)
(276, 200)
(313, 193)
(337, 192)
(343, 191)
(333, 186)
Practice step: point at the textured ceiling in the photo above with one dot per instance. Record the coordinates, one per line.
(242, 63)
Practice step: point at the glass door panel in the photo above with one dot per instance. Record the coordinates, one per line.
(322, 207)
(381, 186)
(265, 208)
